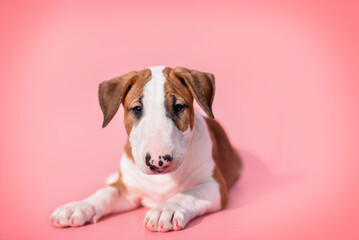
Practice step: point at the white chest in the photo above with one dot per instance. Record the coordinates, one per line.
(151, 189)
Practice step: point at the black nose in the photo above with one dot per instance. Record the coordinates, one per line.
(158, 165)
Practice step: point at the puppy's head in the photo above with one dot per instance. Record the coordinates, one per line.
(158, 112)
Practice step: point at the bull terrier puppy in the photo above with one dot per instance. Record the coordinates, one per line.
(177, 162)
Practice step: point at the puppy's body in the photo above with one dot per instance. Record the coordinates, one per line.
(192, 150)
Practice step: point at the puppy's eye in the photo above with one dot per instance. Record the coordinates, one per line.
(178, 107)
(137, 110)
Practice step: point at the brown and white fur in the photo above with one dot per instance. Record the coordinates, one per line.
(176, 162)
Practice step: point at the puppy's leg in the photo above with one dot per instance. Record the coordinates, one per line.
(176, 212)
(103, 202)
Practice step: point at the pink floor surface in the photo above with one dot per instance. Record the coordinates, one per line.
(287, 94)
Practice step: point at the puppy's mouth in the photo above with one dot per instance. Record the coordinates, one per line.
(156, 170)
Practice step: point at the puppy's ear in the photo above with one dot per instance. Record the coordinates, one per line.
(201, 85)
(112, 92)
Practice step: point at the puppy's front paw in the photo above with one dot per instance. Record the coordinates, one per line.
(73, 214)
(165, 217)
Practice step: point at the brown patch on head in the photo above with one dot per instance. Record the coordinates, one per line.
(200, 84)
(133, 98)
(177, 93)
(125, 89)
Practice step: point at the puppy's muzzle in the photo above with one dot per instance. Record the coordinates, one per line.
(160, 164)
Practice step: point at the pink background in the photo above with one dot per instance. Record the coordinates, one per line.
(287, 94)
